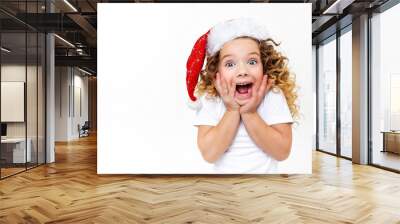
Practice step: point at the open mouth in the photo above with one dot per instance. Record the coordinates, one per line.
(243, 88)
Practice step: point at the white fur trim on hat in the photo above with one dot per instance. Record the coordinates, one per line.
(195, 105)
(231, 29)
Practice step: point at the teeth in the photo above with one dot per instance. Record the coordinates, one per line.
(242, 84)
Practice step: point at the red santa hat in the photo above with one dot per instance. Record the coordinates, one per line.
(211, 42)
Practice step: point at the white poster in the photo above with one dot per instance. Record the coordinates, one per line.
(144, 123)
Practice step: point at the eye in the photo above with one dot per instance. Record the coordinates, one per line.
(229, 64)
(252, 61)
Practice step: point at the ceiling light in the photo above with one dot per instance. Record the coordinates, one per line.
(70, 5)
(84, 71)
(337, 7)
(64, 40)
(5, 50)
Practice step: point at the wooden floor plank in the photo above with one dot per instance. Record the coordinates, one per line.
(70, 191)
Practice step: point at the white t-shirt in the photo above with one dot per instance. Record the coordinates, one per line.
(244, 156)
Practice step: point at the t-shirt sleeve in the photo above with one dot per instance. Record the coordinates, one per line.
(208, 113)
(276, 109)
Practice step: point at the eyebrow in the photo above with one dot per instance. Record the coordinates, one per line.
(228, 55)
(254, 53)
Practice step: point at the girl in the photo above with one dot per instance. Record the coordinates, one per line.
(243, 127)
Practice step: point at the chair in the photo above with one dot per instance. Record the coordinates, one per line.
(84, 130)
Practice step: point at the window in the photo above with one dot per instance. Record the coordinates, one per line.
(385, 89)
(22, 66)
(327, 96)
(346, 93)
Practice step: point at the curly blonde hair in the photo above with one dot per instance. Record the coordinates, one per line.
(275, 65)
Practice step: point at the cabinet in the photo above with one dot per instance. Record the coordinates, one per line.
(391, 141)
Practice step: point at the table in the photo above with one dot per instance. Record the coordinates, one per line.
(15, 148)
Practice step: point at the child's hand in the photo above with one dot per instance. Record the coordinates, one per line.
(226, 92)
(258, 95)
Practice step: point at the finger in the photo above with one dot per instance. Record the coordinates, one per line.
(242, 109)
(270, 83)
(263, 86)
(224, 86)
(232, 88)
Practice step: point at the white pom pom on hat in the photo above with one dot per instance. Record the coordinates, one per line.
(194, 105)
(212, 41)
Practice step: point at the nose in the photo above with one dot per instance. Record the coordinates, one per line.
(242, 70)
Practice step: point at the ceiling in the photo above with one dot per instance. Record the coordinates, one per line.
(76, 22)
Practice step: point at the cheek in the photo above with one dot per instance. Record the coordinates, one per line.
(258, 74)
(227, 76)
(260, 70)
(256, 69)
(259, 77)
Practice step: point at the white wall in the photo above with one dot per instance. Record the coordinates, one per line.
(16, 73)
(12, 73)
(9, 73)
(80, 83)
(62, 80)
(70, 83)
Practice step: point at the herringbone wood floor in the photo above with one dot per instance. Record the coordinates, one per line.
(70, 191)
